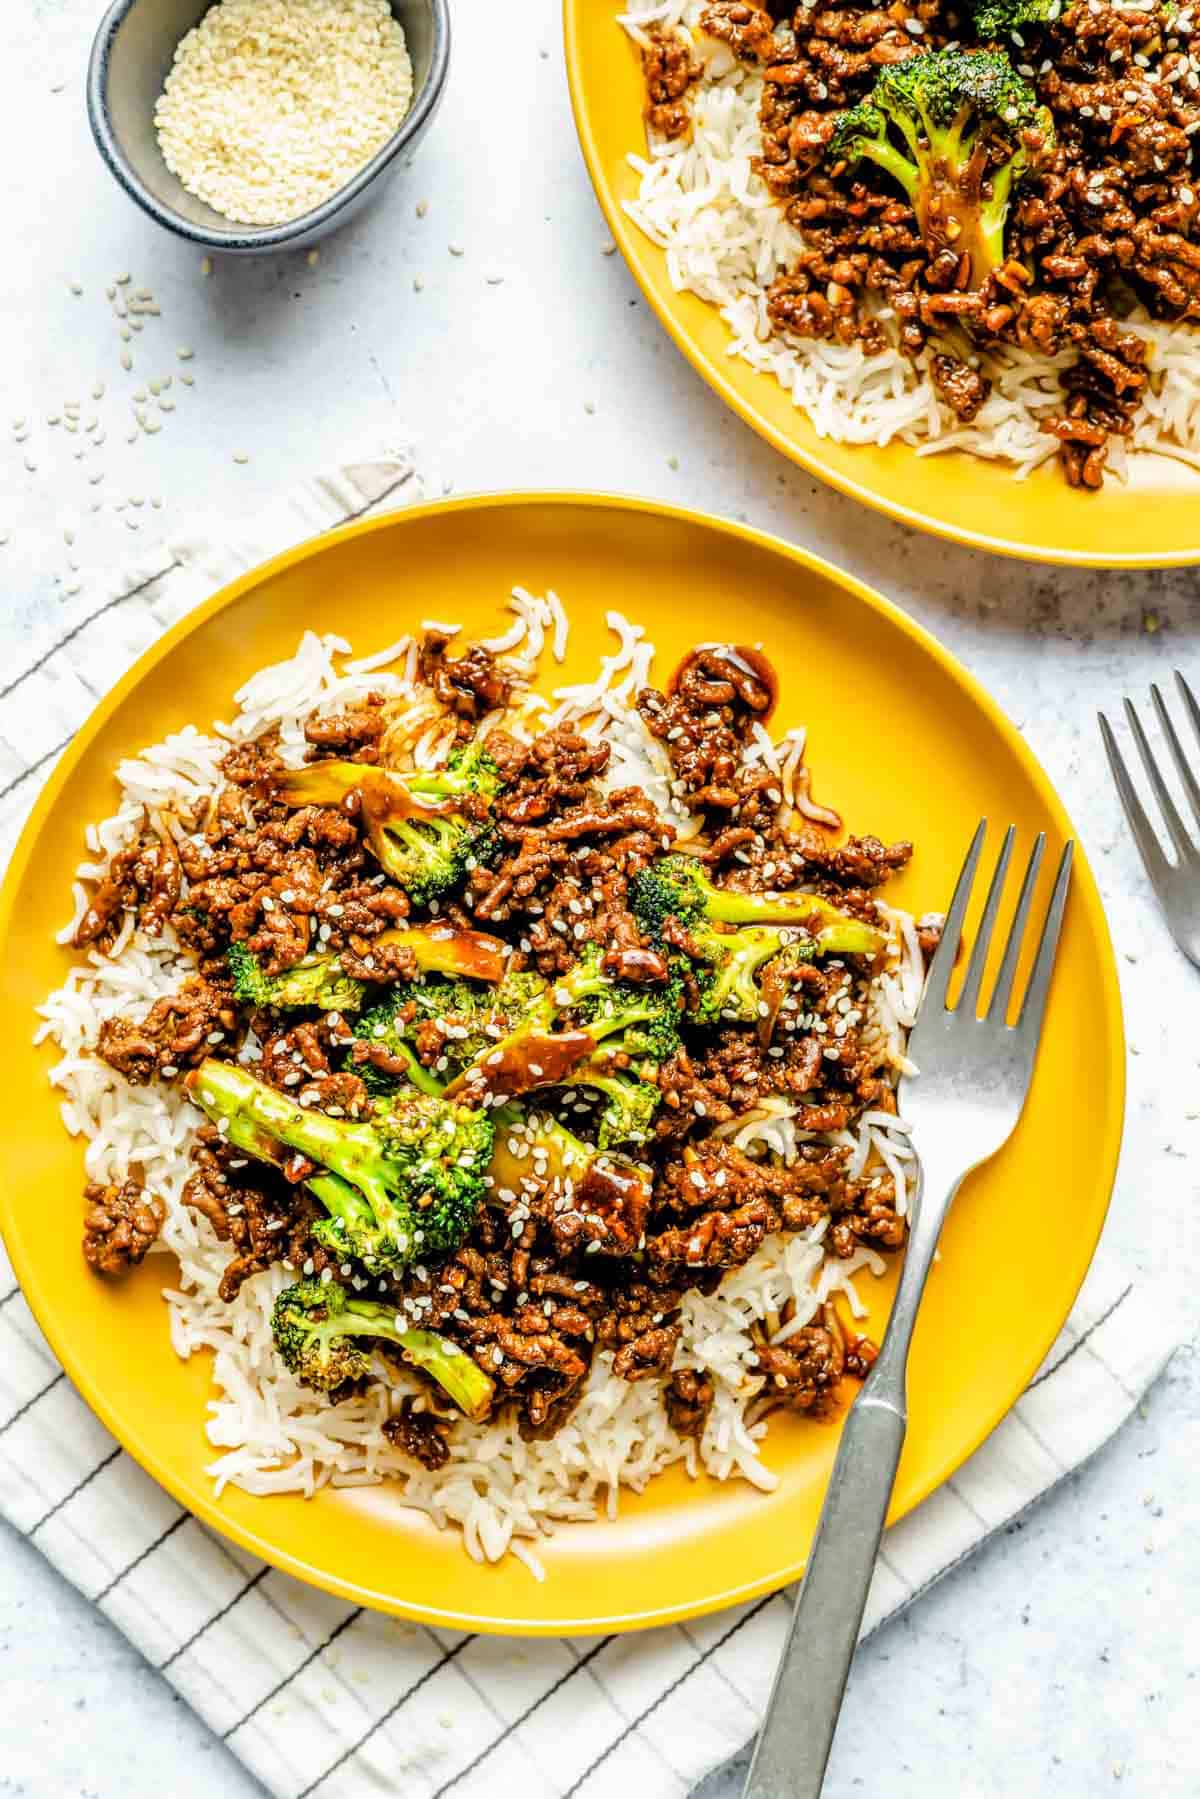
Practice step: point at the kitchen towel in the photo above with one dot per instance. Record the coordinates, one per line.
(320, 1699)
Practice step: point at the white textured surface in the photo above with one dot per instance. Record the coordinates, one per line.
(1064, 1659)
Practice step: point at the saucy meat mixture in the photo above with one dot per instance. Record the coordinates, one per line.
(338, 995)
(890, 132)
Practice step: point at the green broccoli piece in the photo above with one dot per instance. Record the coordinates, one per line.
(325, 1337)
(728, 966)
(956, 129)
(319, 981)
(996, 19)
(640, 1021)
(628, 1103)
(676, 887)
(417, 824)
(316, 981)
(470, 1020)
(403, 1186)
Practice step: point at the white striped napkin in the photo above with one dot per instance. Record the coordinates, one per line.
(316, 1696)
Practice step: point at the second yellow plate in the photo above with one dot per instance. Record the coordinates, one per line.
(901, 739)
(1151, 522)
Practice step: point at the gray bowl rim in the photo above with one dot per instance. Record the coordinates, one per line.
(265, 237)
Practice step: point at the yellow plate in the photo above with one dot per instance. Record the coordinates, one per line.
(901, 739)
(1152, 522)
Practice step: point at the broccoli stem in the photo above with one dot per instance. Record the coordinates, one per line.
(836, 933)
(888, 158)
(259, 1119)
(314, 1319)
(462, 1377)
(451, 1367)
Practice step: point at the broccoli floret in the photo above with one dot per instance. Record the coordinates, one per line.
(416, 824)
(319, 981)
(325, 1337)
(469, 1020)
(640, 1021)
(995, 19)
(728, 967)
(403, 1186)
(956, 129)
(675, 887)
(628, 1103)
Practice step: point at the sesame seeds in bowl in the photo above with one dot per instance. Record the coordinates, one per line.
(250, 125)
(272, 105)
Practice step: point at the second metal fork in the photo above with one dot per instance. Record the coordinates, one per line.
(974, 1073)
(1176, 884)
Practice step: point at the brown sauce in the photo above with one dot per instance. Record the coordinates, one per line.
(617, 1191)
(631, 963)
(385, 797)
(453, 949)
(744, 667)
(536, 1061)
(381, 795)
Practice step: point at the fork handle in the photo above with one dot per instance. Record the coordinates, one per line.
(797, 1732)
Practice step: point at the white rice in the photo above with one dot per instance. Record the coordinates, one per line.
(277, 1437)
(726, 239)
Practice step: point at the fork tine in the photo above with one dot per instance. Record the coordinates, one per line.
(946, 954)
(969, 997)
(1166, 804)
(1157, 866)
(1189, 700)
(997, 1011)
(1033, 1006)
(1182, 767)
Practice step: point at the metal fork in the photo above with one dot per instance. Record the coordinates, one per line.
(1176, 884)
(974, 1076)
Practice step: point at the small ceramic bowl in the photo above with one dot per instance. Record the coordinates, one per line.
(130, 61)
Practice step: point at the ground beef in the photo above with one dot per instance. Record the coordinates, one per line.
(802, 1372)
(352, 736)
(146, 878)
(688, 1397)
(120, 1222)
(469, 685)
(283, 884)
(177, 1033)
(670, 72)
(749, 30)
(421, 1435)
(961, 386)
(704, 724)
(650, 1352)
(266, 1218)
(300, 1060)
(720, 1239)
